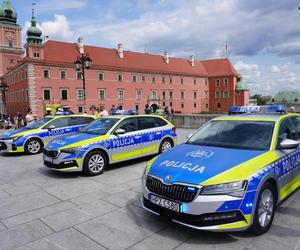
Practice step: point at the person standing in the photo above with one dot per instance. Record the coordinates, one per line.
(147, 110)
(113, 109)
(19, 121)
(29, 117)
(103, 111)
(48, 112)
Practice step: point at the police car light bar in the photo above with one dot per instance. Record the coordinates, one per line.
(125, 112)
(256, 109)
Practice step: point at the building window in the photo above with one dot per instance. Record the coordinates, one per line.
(134, 78)
(102, 94)
(153, 79)
(101, 76)
(171, 104)
(120, 77)
(225, 94)
(182, 105)
(137, 107)
(79, 75)
(171, 80)
(195, 105)
(217, 94)
(138, 94)
(237, 92)
(143, 78)
(171, 95)
(80, 94)
(206, 105)
(182, 95)
(195, 81)
(163, 80)
(217, 82)
(163, 95)
(47, 94)
(64, 94)
(153, 95)
(225, 82)
(195, 95)
(46, 73)
(121, 94)
(36, 55)
(206, 81)
(181, 80)
(164, 104)
(219, 105)
(206, 94)
(80, 109)
(63, 74)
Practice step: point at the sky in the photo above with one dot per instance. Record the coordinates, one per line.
(262, 36)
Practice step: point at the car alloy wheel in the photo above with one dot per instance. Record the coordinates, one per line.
(265, 208)
(33, 146)
(96, 163)
(165, 146)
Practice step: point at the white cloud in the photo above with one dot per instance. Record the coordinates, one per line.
(277, 69)
(62, 5)
(250, 72)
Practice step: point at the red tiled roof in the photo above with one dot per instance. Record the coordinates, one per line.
(219, 67)
(61, 52)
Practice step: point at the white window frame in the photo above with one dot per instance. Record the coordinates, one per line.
(121, 97)
(104, 94)
(139, 96)
(63, 70)
(77, 94)
(48, 73)
(217, 96)
(61, 90)
(50, 91)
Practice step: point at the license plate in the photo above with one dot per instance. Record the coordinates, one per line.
(175, 206)
(47, 158)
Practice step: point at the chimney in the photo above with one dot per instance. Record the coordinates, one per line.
(166, 57)
(120, 50)
(192, 61)
(80, 45)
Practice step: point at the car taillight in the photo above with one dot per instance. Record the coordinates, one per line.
(174, 129)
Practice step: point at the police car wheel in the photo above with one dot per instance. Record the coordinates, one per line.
(94, 163)
(165, 145)
(264, 210)
(33, 146)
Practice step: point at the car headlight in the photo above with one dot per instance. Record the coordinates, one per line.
(16, 138)
(236, 188)
(72, 151)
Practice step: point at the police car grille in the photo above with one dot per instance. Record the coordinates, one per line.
(50, 153)
(174, 192)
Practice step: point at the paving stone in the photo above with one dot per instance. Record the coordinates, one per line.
(74, 189)
(124, 198)
(67, 239)
(37, 213)
(2, 227)
(76, 215)
(267, 244)
(24, 189)
(24, 203)
(20, 235)
(3, 194)
(89, 197)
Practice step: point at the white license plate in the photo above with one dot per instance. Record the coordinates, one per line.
(47, 158)
(175, 206)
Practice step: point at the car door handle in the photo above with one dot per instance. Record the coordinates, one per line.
(158, 133)
(68, 129)
(137, 137)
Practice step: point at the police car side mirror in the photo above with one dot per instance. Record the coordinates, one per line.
(288, 144)
(51, 127)
(119, 131)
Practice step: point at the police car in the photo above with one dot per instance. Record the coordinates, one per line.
(32, 138)
(108, 140)
(230, 174)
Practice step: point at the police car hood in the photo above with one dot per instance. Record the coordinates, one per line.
(16, 132)
(70, 140)
(195, 164)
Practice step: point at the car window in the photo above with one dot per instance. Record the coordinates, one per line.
(100, 126)
(296, 121)
(150, 122)
(129, 125)
(38, 123)
(287, 130)
(79, 120)
(59, 123)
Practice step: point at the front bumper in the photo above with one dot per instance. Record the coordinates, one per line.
(10, 146)
(204, 212)
(61, 161)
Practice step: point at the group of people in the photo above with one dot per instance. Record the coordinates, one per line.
(167, 112)
(17, 121)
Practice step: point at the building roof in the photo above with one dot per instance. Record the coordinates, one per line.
(219, 67)
(287, 96)
(66, 53)
(7, 12)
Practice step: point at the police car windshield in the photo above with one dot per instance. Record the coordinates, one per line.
(100, 126)
(38, 123)
(248, 135)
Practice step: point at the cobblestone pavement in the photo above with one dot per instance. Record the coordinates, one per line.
(42, 209)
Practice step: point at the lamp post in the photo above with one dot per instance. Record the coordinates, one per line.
(3, 89)
(82, 63)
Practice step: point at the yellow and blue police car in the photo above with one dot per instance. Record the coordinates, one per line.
(32, 138)
(230, 174)
(108, 140)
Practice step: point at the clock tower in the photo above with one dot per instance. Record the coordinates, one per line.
(10, 37)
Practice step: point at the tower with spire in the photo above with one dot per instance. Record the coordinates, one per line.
(10, 37)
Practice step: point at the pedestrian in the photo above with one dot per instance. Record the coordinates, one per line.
(67, 110)
(19, 121)
(113, 109)
(29, 117)
(103, 111)
(147, 110)
(48, 112)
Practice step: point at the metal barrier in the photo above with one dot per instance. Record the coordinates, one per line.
(192, 120)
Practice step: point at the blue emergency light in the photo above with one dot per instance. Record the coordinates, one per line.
(125, 112)
(256, 109)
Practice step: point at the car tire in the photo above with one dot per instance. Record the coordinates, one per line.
(33, 146)
(264, 210)
(165, 145)
(95, 163)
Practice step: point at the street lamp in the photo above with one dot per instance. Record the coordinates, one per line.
(82, 63)
(3, 89)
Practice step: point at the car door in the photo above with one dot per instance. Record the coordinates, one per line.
(78, 122)
(128, 145)
(58, 127)
(151, 131)
(288, 158)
